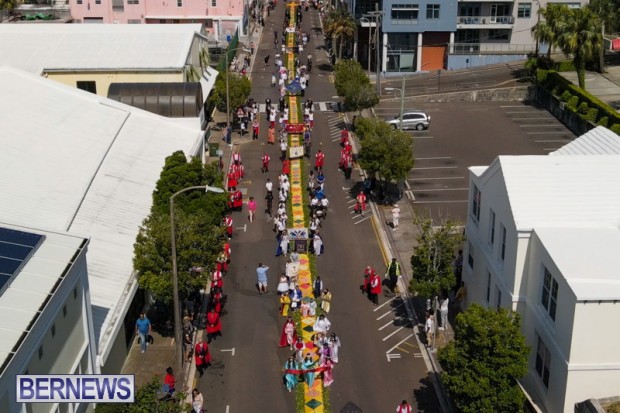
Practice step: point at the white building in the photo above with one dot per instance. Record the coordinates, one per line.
(543, 238)
(46, 322)
(76, 162)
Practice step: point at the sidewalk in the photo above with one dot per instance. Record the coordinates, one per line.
(605, 86)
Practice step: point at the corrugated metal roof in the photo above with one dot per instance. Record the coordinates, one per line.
(30, 288)
(562, 190)
(598, 141)
(587, 259)
(76, 161)
(39, 47)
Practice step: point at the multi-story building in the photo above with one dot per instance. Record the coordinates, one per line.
(46, 322)
(543, 234)
(92, 57)
(76, 162)
(219, 18)
(428, 34)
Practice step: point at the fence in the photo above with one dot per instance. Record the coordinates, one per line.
(490, 48)
(230, 51)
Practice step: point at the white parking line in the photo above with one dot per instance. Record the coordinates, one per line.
(385, 315)
(423, 137)
(544, 133)
(434, 167)
(386, 325)
(523, 111)
(557, 125)
(383, 305)
(400, 342)
(440, 189)
(362, 220)
(551, 140)
(442, 177)
(433, 157)
(392, 333)
(544, 118)
(441, 202)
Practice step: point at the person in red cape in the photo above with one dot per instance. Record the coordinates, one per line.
(232, 179)
(228, 221)
(214, 325)
(375, 287)
(231, 199)
(238, 201)
(360, 205)
(319, 160)
(265, 160)
(286, 167)
(344, 136)
(216, 279)
(202, 356)
(289, 335)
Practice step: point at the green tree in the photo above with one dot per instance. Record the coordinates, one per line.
(384, 151)
(348, 72)
(432, 258)
(609, 13)
(341, 26)
(359, 96)
(7, 4)
(484, 361)
(146, 402)
(198, 232)
(549, 29)
(239, 87)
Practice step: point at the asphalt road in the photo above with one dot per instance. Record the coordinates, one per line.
(249, 379)
(470, 134)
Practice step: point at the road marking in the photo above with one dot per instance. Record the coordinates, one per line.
(410, 345)
(441, 202)
(362, 220)
(392, 333)
(551, 149)
(434, 167)
(322, 106)
(389, 312)
(551, 140)
(386, 325)
(423, 137)
(387, 302)
(545, 133)
(403, 350)
(417, 355)
(232, 350)
(433, 157)
(351, 200)
(443, 177)
(400, 342)
(542, 126)
(227, 408)
(392, 356)
(543, 118)
(440, 189)
(244, 227)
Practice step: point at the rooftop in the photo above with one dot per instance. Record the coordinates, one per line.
(586, 258)
(52, 47)
(74, 161)
(32, 284)
(598, 141)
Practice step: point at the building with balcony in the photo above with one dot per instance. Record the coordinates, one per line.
(78, 163)
(219, 18)
(92, 57)
(427, 34)
(543, 234)
(46, 323)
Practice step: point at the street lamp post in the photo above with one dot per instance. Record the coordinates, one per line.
(402, 101)
(175, 280)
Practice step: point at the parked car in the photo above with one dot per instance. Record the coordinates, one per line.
(414, 119)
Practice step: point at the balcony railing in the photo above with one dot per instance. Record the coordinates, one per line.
(485, 20)
(490, 48)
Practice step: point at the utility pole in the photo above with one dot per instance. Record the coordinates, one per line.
(377, 42)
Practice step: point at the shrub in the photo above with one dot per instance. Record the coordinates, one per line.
(566, 96)
(604, 121)
(591, 115)
(583, 108)
(565, 66)
(615, 128)
(541, 76)
(572, 103)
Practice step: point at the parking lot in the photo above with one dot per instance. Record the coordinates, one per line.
(464, 134)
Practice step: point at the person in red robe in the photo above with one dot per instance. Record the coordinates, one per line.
(202, 356)
(348, 147)
(241, 171)
(238, 201)
(375, 287)
(289, 334)
(216, 300)
(265, 159)
(216, 279)
(227, 251)
(343, 157)
(360, 205)
(286, 167)
(271, 136)
(319, 160)
(232, 179)
(344, 136)
(169, 380)
(214, 325)
(228, 221)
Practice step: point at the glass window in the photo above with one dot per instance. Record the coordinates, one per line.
(87, 85)
(470, 255)
(118, 5)
(432, 11)
(213, 3)
(405, 12)
(543, 362)
(524, 10)
(179, 3)
(503, 255)
(133, 1)
(549, 295)
(498, 298)
(79, 1)
(491, 227)
(488, 286)
(476, 204)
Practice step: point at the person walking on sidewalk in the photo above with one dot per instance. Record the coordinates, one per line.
(393, 273)
(395, 216)
(197, 401)
(261, 274)
(251, 209)
(143, 330)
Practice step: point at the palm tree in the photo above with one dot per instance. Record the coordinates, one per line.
(548, 30)
(581, 38)
(341, 26)
(7, 4)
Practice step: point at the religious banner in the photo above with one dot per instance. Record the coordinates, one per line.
(295, 152)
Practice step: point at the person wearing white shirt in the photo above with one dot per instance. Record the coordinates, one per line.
(395, 216)
(429, 329)
(444, 313)
(269, 185)
(286, 185)
(322, 325)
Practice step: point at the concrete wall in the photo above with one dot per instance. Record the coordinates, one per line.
(508, 94)
(557, 108)
(465, 61)
(103, 79)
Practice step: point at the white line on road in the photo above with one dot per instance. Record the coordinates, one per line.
(423, 137)
(441, 202)
(227, 408)
(441, 177)
(551, 149)
(417, 355)
(440, 189)
(362, 220)
(385, 315)
(545, 133)
(392, 333)
(523, 111)
(542, 126)
(392, 356)
(550, 140)
(386, 325)
(434, 167)
(382, 305)
(543, 118)
(322, 106)
(232, 350)
(433, 157)
(400, 342)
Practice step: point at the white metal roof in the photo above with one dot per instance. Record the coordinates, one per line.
(75, 161)
(562, 190)
(39, 47)
(29, 289)
(598, 141)
(587, 259)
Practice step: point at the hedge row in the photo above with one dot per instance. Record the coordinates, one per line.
(584, 104)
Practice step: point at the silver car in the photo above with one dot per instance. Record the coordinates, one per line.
(415, 119)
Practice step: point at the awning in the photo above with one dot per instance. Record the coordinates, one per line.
(207, 81)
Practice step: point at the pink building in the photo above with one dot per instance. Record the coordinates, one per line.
(220, 18)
